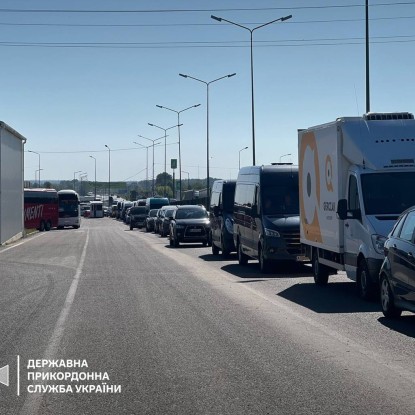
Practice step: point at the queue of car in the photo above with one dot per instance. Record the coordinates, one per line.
(194, 224)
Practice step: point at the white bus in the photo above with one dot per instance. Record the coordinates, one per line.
(69, 209)
(96, 209)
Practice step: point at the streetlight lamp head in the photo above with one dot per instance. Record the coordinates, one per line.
(283, 19)
(151, 124)
(232, 74)
(197, 105)
(184, 76)
(219, 19)
(159, 106)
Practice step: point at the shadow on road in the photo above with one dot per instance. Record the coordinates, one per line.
(336, 297)
(404, 324)
(283, 270)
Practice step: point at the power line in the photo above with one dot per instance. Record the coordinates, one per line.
(333, 6)
(213, 25)
(212, 44)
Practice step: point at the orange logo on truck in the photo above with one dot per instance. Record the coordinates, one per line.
(309, 172)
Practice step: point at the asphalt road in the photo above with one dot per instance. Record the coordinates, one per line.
(180, 331)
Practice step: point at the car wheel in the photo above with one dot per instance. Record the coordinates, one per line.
(320, 271)
(215, 249)
(386, 299)
(242, 258)
(170, 242)
(264, 264)
(176, 243)
(365, 287)
(204, 243)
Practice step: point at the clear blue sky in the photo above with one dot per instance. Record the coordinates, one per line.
(74, 81)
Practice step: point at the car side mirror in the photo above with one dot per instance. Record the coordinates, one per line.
(342, 209)
(344, 213)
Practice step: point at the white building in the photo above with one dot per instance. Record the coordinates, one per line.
(11, 183)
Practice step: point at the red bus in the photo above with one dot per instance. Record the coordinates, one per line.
(41, 209)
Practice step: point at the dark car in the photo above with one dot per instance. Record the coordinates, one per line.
(150, 219)
(138, 215)
(397, 275)
(159, 218)
(189, 223)
(164, 227)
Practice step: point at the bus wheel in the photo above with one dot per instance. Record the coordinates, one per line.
(48, 226)
(42, 226)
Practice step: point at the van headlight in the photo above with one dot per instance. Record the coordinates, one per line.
(229, 225)
(378, 243)
(271, 232)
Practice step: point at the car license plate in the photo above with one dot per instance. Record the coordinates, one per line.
(194, 230)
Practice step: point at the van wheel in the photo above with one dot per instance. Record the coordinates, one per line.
(48, 226)
(320, 271)
(42, 226)
(264, 264)
(365, 287)
(386, 299)
(215, 249)
(242, 258)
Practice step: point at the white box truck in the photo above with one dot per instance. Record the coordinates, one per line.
(356, 175)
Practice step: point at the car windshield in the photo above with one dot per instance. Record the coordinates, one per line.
(169, 213)
(191, 214)
(388, 193)
(153, 212)
(137, 210)
(280, 200)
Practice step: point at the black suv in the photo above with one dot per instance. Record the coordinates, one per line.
(138, 215)
(189, 223)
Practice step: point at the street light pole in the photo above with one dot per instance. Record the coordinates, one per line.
(207, 121)
(284, 155)
(165, 151)
(178, 128)
(251, 31)
(75, 172)
(146, 147)
(95, 186)
(152, 145)
(188, 179)
(242, 149)
(109, 175)
(35, 152)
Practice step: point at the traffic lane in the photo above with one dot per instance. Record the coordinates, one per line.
(335, 306)
(35, 275)
(182, 338)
